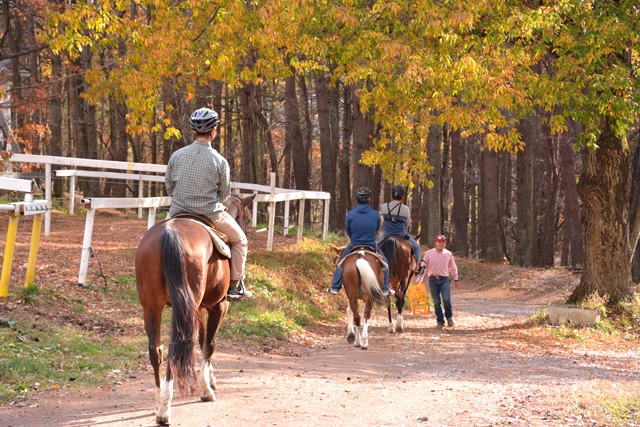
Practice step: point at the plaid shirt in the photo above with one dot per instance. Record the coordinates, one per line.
(197, 179)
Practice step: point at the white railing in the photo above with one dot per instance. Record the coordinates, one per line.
(145, 170)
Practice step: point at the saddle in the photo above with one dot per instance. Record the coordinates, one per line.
(361, 250)
(219, 239)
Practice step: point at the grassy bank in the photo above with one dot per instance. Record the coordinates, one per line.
(54, 337)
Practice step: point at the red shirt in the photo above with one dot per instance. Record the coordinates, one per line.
(439, 264)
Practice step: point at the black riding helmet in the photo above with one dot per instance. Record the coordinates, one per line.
(204, 120)
(363, 194)
(397, 192)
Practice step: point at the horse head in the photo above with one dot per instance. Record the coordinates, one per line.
(337, 251)
(237, 208)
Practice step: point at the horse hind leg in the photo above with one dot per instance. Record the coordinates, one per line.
(399, 323)
(207, 379)
(392, 328)
(351, 331)
(164, 389)
(207, 382)
(364, 336)
(164, 395)
(400, 306)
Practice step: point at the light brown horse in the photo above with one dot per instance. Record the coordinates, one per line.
(362, 278)
(178, 265)
(402, 267)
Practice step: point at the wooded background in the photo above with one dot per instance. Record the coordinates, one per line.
(513, 124)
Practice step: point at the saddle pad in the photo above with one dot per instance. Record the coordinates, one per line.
(218, 242)
(361, 252)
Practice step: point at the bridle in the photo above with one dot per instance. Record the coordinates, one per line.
(242, 211)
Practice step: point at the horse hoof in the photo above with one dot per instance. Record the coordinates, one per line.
(351, 339)
(210, 398)
(400, 329)
(163, 421)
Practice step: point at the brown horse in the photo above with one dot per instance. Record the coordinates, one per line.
(177, 264)
(362, 278)
(402, 267)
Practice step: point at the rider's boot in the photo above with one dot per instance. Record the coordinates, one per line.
(237, 291)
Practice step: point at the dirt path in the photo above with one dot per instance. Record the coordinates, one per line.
(480, 373)
(495, 368)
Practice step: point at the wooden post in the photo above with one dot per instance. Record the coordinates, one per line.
(86, 247)
(49, 198)
(33, 249)
(272, 213)
(12, 232)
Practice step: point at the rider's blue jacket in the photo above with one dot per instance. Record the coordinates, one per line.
(362, 225)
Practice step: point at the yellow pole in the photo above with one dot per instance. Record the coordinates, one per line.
(12, 232)
(33, 250)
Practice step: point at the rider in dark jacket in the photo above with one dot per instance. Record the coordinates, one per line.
(362, 225)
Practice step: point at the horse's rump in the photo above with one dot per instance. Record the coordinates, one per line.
(363, 276)
(399, 254)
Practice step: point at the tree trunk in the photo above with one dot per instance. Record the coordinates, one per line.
(524, 228)
(572, 242)
(294, 134)
(344, 201)
(490, 230)
(266, 128)
(431, 219)
(327, 151)
(308, 125)
(334, 108)
(548, 225)
(603, 188)
(55, 116)
(248, 125)
(362, 141)
(634, 213)
(460, 214)
(505, 189)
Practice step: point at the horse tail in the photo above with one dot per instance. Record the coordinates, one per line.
(185, 315)
(369, 280)
(389, 248)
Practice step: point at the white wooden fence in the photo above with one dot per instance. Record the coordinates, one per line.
(264, 194)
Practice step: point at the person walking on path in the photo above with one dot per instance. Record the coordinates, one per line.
(197, 179)
(397, 218)
(439, 265)
(362, 225)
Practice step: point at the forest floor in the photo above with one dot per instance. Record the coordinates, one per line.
(497, 366)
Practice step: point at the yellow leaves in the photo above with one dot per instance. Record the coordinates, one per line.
(558, 124)
(171, 133)
(509, 141)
